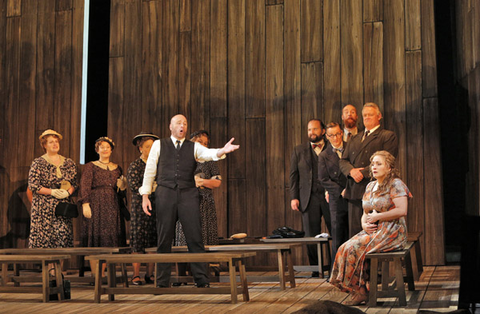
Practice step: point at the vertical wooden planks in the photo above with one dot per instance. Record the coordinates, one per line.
(312, 92)
(184, 80)
(415, 131)
(429, 62)
(275, 157)
(117, 28)
(116, 105)
(185, 15)
(413, 32)
(331, 83)
(255, 58)
(351, 33)
(3, 28)
(64, 5)
(236, 85)
(394, 60)
(434, 231)
(218, 59)
(373, 63)
(14, 8)
(200, 65)
(63, 79)
(45, 72)
(373, 10)
(311, 44)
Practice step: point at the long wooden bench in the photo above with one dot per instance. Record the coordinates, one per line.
(45, 289)
(282, 250)
(416, 253)
(319, 242)
(80, 252)
(231, 258)
(398, 288)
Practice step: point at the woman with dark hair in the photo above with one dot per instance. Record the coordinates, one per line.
(101, 179)
(385, 205)
(52, 179)
(143, 231)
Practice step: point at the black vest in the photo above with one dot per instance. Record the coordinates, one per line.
(316, 185)
(176, 168)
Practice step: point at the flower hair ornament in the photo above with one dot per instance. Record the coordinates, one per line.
(106, 139)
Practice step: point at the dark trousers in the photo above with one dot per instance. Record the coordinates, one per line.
(355, 212)
(312, 221)
(172, 205)
(339, 216)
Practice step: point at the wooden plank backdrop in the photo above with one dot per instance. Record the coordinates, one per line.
(249, 69)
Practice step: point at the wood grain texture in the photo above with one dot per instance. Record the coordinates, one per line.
(429, 62)
(311, 44)
(14, 8)
(413, 31)
(218, 59)
(117, 28)
(373, 59)
(373, 10)
(312, 91)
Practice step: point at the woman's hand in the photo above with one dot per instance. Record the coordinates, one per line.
(122, 183)
(60, 193)
(87, 211)
(373, 217)
(369, 227)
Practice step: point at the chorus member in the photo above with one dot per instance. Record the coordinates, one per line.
(306, 192)
(349, 119)
(98, 195)
(385, 203)
(143, 231)
(356, 158)
(52, 178)
(174, 159)
(334, 181)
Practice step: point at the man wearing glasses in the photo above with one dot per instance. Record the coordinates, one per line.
(334, 181)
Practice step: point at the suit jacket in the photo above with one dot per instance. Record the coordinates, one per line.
(329, 174)
(357, 155)
(302, 174)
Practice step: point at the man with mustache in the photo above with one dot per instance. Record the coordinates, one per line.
(349, 118)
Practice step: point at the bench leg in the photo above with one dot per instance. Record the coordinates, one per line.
(98, 281)
(233, 280)
(4, 274)
(16, 273)
(402, 300)
(291, 273)
(372, 296)
(281, 269)
(418, 266)
(385, 274)
(320, 259)
(59, 280)
(409, 271)
(124, 275)
(243, 280)
(112, 279)
(45, 282)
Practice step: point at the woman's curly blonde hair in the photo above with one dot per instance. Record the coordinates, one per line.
(392, 172)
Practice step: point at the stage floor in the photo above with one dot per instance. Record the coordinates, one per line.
(436, 290)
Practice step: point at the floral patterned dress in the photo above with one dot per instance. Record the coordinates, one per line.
(99, 188)
(208, 212)
(143, 229)
(349, 266)
(48, 230)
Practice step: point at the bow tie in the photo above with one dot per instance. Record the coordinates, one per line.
(316, 145)
(337, 150)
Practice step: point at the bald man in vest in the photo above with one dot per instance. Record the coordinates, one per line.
(172, 161)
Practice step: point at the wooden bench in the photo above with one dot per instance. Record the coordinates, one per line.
(282, 250)
(232, 259)
(417, 261)
(72, 251)
(397, 289)
(45, 289)
(319, 242)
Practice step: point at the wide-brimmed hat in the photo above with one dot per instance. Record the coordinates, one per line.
(50, 132)
(106, 139)
(138, 137)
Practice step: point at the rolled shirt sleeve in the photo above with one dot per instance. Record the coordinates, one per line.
(150, 169)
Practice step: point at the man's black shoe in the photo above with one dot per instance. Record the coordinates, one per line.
(203, 285)
(178, 284)
(162, 286)
(315, 274)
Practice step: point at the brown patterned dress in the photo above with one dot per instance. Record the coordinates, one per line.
(208, 212)
(98, 187)
(143, 229)
(46, 229)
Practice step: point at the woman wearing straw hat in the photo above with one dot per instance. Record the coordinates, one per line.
(52, 178)
(143, 231)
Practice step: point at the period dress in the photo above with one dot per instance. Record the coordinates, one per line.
(143, 230)
(46, 229)
(349, 267)
(208, 212)
(98, 187)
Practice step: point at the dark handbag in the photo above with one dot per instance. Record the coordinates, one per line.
(65, 209)
(122, 205)
(287, 232)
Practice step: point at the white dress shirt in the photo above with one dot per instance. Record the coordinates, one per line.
(352, 131)
(201, 153)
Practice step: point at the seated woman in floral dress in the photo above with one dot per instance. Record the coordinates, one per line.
(385, 205)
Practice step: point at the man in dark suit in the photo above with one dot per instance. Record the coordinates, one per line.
(172, 161)
(334, 181)
(356, 160)
(306, 193)
(349, 119)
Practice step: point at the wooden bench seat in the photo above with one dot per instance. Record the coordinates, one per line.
(45, 289)
(397, 289)
(233, 260)
(282, 250)
(319, 242)
(80, 252)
